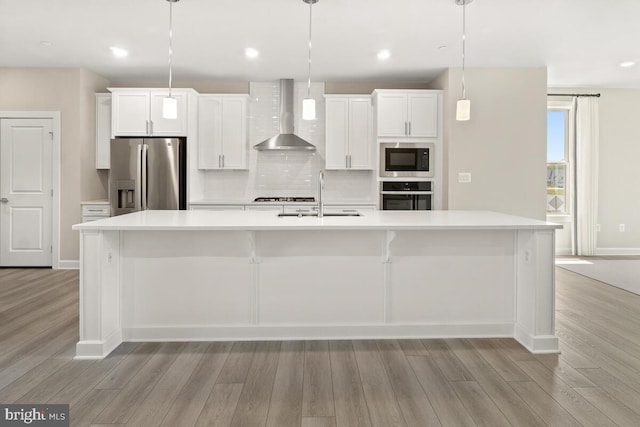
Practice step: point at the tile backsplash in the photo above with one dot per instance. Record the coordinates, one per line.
(286, 173)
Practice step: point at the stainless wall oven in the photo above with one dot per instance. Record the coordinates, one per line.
(407, 159)
(406, 195)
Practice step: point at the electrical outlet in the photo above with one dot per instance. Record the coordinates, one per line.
(464, 177)
(598, 228)
(621, 228)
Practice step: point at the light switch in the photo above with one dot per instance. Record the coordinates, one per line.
(464, 177)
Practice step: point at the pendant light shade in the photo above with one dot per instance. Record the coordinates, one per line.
(308, 109)
(309, 104)
(463, 110)
(463, 106)
(169, 103)
(169, 108)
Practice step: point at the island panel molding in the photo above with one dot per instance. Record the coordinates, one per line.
(194, 275)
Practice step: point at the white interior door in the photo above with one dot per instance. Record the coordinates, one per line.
(25, 192)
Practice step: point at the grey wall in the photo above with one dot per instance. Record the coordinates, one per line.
(70, 91)
(503, 146)
(619, 162)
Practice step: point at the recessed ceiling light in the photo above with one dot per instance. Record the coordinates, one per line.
(384, 54)
(443, 47)
(45, 43)
(628, 64)
(119, 52)
(251, 52)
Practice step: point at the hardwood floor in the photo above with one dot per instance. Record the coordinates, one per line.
(595, 381)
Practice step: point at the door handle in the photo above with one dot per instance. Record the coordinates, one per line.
(409, 128)
(4, 200)
(145, 182)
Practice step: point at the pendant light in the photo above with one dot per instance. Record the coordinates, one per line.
(309, 104)
(169, 103)
(463, 106)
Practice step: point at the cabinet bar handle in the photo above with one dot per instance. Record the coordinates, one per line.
(223, 161)
(151, 127)
(147, 128)
(409, 128)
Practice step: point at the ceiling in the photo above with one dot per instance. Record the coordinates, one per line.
(580, 42)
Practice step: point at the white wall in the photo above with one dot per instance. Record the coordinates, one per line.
(619, 158)
(503, 146)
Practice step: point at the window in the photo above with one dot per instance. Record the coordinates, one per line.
(558, 163)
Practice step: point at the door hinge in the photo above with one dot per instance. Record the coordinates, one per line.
(52, 192)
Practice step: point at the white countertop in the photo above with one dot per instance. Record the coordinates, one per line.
(264, 220)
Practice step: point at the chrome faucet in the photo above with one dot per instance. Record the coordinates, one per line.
(320, 188)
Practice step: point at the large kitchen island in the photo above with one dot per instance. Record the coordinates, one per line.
(251, 275)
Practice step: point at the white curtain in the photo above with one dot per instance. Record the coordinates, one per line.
(587, 135)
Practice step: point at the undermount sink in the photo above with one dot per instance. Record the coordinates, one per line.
(303, 214)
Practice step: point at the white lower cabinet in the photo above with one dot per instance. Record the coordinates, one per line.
(349, 208)
(94, 212)
(223, 137)
(262, 208)
(216, 207)
(331, 208)
(299, 209)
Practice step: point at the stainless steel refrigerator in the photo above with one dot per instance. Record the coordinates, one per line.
(147, 173)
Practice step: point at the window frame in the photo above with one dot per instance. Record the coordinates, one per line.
(568, 108)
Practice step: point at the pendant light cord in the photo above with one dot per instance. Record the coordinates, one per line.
(464, 38)
(170, 42)
(309, 71)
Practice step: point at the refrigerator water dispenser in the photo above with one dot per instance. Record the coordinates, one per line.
(126, 194)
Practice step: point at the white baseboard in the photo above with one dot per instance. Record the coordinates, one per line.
(325, 332)
(617, 251)
(69, 265)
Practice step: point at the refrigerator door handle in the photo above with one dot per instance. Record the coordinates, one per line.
(143, 173)
(138, 186)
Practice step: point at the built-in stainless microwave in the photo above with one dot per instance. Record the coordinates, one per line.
(407, 159)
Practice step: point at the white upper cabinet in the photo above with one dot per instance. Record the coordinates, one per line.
(103, 130)
(349, 142)
(222, 131)
(138, 112)
(401, 113)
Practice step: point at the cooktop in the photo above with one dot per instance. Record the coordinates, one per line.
(285, 199)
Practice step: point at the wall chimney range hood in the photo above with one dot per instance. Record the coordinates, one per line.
(285, 140)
